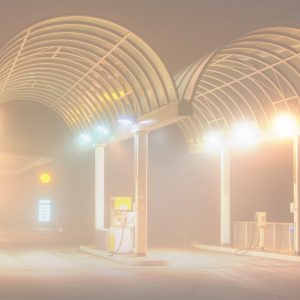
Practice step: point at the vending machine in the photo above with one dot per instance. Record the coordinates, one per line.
(122, 225)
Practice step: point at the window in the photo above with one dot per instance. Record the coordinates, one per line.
(44, 211)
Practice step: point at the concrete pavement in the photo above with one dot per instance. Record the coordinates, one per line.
(66, 273)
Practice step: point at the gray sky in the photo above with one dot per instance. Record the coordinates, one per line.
(179, 30)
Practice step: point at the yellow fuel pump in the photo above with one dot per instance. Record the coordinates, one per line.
(122, 225)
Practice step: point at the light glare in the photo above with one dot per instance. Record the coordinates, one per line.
(102, 130)
(125, 121)
(245, 134)
(146, 122)
(212, 141)
(85, 138)
(284, 125)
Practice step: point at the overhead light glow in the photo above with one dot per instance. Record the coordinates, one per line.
(285, 125)
(141, 124)
(102, 130)
(146, 122)
(213, 141)
(106, 96)
(86, 138)
(245, 134)
(122, 93)
(115, 96)
(135, 128)
(125, 121)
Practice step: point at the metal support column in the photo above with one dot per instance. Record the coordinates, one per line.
(225, 197)
(140, 180)
(99, 189)
(296, 194)
(101, 234)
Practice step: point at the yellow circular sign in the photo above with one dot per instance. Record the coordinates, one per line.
(45, 178)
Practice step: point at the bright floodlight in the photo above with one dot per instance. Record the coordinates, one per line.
(141, 124)
(84, 137)
(146, 122)
(125, 121)
(285, 125)
(245, 134)
(212, 141)
(103, 130)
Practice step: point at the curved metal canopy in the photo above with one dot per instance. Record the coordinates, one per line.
(90, 71)
(250, 79)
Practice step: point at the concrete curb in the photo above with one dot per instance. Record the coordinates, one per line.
(229, 250)
(129, 260)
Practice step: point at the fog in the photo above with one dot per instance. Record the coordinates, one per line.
(183, 191)
(47, 230)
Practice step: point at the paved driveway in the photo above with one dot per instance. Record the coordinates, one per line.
(66, 273)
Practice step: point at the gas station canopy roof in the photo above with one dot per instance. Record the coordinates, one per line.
(94, 72)
(90, 71)
(252, 78)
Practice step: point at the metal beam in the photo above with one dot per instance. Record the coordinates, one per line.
(162, 117)
(258, 71)
(99, 188)
(296, 194)
(100, 61)
(169, 114)
(140, 180)
(16, 60)
(101, 231)
(225, 197)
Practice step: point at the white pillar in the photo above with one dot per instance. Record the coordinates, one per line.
(99, 188)
(225, 197)
(296, 194)
(140, 180)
